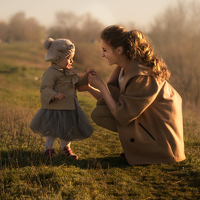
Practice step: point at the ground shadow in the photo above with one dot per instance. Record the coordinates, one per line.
(21, 158)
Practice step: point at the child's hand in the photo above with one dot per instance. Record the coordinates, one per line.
(59, 96)
(83, 88)
(90, 70)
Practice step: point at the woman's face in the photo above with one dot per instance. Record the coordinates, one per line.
(109, 53)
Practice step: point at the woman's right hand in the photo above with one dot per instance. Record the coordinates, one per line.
(95, 80)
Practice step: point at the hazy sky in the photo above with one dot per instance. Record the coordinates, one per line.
(140, 12)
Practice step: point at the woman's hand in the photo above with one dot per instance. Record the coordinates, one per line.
(59, 96)
(95, 80)
(93, 91)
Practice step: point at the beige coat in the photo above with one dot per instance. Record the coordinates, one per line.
(149, 117)
(56, 80)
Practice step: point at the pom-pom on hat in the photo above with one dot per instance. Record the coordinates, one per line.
(58, 49)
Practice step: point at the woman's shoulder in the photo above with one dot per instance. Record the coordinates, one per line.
(135, 69)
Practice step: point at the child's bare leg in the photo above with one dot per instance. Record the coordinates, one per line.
(49, 143)
(49, 146)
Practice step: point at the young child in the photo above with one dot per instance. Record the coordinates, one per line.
(60, 115)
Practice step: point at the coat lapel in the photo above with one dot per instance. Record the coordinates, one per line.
(132, 70)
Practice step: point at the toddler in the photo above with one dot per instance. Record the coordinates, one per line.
(60, 115)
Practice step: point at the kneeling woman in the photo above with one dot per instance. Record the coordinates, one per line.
(140, 104)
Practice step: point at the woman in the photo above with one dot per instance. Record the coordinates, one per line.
(140, 104)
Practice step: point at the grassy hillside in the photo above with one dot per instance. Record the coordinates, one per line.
(99, 173)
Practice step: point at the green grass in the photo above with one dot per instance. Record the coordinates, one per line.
(99, 173)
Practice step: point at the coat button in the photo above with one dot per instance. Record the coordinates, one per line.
(132, 140)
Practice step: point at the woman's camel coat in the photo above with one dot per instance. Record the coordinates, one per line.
(149, 117)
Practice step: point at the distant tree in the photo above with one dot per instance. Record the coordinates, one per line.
(66, 26)
(22, 29)
(33, 31)
(91, 28)
(77, 28)
(16, 27)
(66, 19)
(176, 36)
(3, 30)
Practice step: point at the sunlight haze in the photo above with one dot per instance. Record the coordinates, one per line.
(108, 12)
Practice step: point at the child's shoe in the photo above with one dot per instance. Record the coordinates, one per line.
(50, 152)
(68, 152)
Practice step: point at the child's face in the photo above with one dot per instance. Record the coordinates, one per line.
(67, 62)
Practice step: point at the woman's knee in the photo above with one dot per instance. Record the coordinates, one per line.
(102, 116)
(95, 115)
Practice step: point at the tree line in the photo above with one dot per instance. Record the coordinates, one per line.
(67, 25)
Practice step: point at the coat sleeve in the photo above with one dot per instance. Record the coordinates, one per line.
(47, 84)
(140, 92)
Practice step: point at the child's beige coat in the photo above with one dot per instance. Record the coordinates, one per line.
(56, 80)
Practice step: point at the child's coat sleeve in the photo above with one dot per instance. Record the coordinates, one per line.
(47, 85)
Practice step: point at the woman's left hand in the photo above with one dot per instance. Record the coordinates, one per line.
(95, 80)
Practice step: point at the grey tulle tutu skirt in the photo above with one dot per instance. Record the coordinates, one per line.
(69, 125)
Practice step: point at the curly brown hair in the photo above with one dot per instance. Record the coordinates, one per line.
(136, 47)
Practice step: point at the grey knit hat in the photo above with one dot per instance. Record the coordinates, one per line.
(58, 49)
